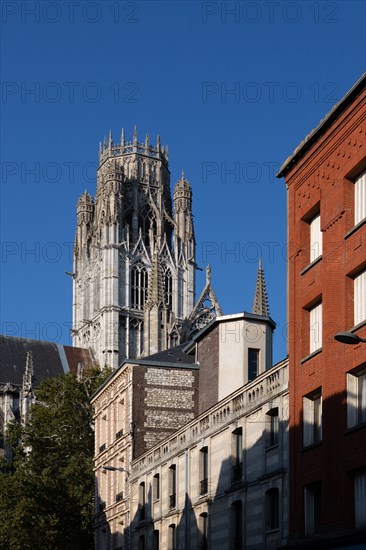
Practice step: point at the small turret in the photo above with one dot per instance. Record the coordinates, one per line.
(85, 209)
(182, 198)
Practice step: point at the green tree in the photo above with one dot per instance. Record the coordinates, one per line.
(47, 492)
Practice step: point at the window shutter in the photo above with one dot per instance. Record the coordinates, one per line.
(360, 298)
(316, 328)
(351, 400)
(316, 239)
(360, 198)
(360, 500)
(307, 422)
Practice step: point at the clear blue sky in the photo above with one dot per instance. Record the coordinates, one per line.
(232, 88)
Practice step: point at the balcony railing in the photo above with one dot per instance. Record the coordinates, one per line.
(119, 496)
(237, 472)
(102, 448)
(203, 486)
(119, 434)
(172, 501)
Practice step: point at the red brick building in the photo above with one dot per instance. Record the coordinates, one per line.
(326, 184)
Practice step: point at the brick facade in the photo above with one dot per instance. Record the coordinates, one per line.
(320, 179)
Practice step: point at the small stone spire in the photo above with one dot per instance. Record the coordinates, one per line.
(135, 136)
(28, 373)
(110, 139)
(260, 304)
(158, 142)
(123, 138)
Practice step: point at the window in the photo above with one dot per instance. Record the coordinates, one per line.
(203, 531)
(360, 298)
(142, 542)
(139, 285)
(203, 470)
(237, 455)
(272, 509)
(237, 523)
(360, 198)
(142, 501)
(168, 288)
(316, 239)
(172, 537)
(356, 398)
(156, 487)
(272, 427)
(172, 486)
(253, 363)
(156, 539)
(315, 328)
(312, 418)
(360, 499)
(312, 497)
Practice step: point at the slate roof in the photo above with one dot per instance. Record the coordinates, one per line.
(49, 359)
(171, 355)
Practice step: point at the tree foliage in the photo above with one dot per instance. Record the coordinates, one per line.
(47, 492)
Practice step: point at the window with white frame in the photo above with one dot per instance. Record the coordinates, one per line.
(316, 238)
(359, 298)
(356, 397)
(312, 508)
(360, 498)
(312, 418)
(316, 315)
(360, 198)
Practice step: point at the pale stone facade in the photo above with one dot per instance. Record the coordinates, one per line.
(134, 257)
(214, 479)
(147, 400)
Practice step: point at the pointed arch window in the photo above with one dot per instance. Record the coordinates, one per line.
(168, 288)
(139, 285)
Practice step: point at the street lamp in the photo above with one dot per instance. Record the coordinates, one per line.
(349, 338)
(114, 469)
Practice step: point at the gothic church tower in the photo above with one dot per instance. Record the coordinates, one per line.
(134, 259)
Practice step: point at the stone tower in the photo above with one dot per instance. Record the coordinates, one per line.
(134, 258)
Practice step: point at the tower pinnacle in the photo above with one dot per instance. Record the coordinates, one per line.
(260, 304)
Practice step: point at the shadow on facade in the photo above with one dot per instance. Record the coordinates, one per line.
(240, 505)
(327, 477)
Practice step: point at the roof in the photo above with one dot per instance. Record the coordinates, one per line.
(171, 355)
(49, 359)
(323, 126)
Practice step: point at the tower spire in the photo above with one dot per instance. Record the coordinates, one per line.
(260, 304)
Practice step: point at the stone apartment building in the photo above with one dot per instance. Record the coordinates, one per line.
(220, 482)
(214, 403)
(326, 186)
